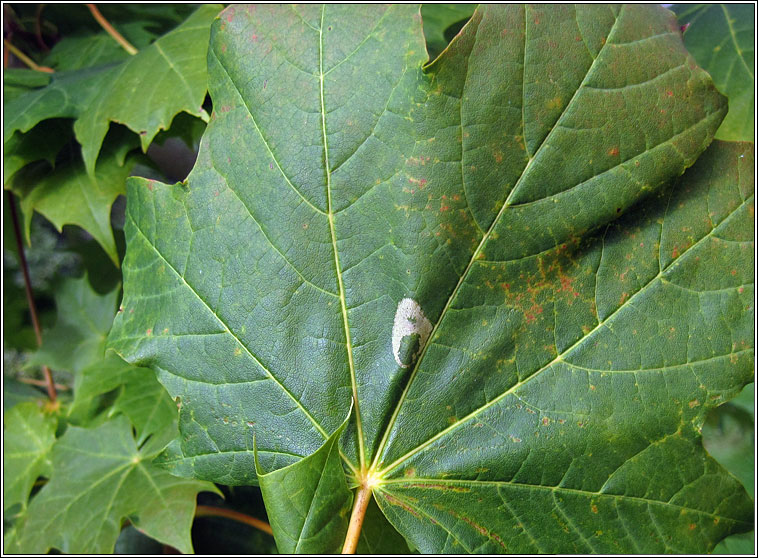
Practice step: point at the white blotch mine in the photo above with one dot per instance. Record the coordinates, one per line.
(409, 320)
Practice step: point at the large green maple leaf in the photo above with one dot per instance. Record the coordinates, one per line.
(426, 244)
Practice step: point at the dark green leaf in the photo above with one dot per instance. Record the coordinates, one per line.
(43, 142)
(430, 244)
(437, 19)
(308, 502)
(721, 38)
(15, 392)
(28, 437)
(99, 478)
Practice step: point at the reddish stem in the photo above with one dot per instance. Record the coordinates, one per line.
(51, 393)
(210, 511)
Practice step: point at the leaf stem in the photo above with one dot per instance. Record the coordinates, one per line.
(51, 393)
(362, 499)
(25, 59)
(38, 28)
(105, 24)
(42, 383)
(212, 511)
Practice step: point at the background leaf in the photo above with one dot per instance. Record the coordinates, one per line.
(84, 319)
(729, 436)
(100, 477)
(69, 196)
(721, 38)
(28, 437)
(438, 18)
(172, 77)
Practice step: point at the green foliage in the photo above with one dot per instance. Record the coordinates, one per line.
(729, 436)
(95, 90)
(499, 240)
(441, 23)
(27, 441)
(309, 501)
(100, 477)
(721, 38)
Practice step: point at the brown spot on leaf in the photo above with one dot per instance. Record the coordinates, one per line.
(395, 502)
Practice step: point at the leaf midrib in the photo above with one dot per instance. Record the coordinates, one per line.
(484, 240)
(333, 234)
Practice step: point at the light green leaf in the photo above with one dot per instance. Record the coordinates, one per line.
(171, 74)
(744, 543)
(141, 397)
(437, 19)
(18, 81)
(28, 437)
(100, 478)
(143, 92)
(96, 379)
(79, 50)
(69, 196)
(746, 400)
(147, 404)
(729, 436)
(721, 38)
(67, 95)
(433, 245)
(78, 338)
(308, 502)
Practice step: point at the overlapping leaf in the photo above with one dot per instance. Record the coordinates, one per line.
(28, 437)
(143, 92)
(70, 196)
(360, 229)
(721, 38)
(78, 338)
(101, 477)
(438, 19)
(147, 90)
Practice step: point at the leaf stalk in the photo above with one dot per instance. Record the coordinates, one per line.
(212, 511)
(25, 59)
(362, 499)
(105, 24)
(50, 385)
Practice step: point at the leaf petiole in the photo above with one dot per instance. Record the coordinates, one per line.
(362, 499)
